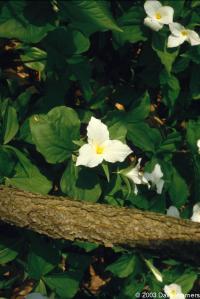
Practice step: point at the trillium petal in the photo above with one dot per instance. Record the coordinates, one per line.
(153, 24)
(97, 132)
(196, 208)
(198, 145)
(166, 13)
(193, 38)
(159, 186)
(196, 212)
(176, 29)
(88, 157)
(173, 290)
(174, 41)
(195, 217)
(115, 151)
(134, 176)
(173, 212)
(151, 7)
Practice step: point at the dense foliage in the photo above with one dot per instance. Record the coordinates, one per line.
(63, 62)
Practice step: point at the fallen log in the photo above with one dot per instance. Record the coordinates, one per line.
(60, 217)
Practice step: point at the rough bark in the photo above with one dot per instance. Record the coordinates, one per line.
(60, 217)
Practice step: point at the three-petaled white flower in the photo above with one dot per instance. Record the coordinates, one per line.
(100, 147)
(174, 291)
(173, 212)
(196, 213)
(136, 175)
(198, 145)
(179, 34)
(155, 178)
(157, 15)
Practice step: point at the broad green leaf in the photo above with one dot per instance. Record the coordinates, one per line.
(27, 176)
(140, 109)
(81, 69)
(7, 162)
(193, 135)
(186, 281)
(132, 34)
(71, 41)
(144, 137)
(167, 56)
(170, 88)
(42, 258)
(10, 124)
(131, 22)
(131, 288)
(9, 249)
(34, 58)
(65, 285)
(80, 183)
(54, 133)
(178, 189)
(169, 144)
(124, 266)
(14, 24)
(90, 16)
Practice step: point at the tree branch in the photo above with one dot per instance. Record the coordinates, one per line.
(60, 217)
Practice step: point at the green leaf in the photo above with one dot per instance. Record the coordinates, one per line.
(131, 288)
(193, 134)
(71, 42)
(42, 258)
(14, 24)
(9, 249)
(170, 88)
(178, 189)
(90, 16)
(144, 137)
(65, 285)
(34, 58)
(124, 266)
(54, 133)
(131, 22)
(10, 124)
(27, 176)
(7, 162)
(81, 68)
(170, 143)
(167, 56)
(140, 109)
(106, 171)
(80, 183)
(186, 281)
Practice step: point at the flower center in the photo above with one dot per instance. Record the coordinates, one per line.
(184, 33)
(99, 149)
(173, 293)
(158, 16)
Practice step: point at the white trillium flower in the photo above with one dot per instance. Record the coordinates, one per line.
(100, 147)
(136, 176)
(196, 213)
(35, 296)
(179, 34)
(198, 145)
(155, 178)
(173, 212)
(157, 15)
(173, 291)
